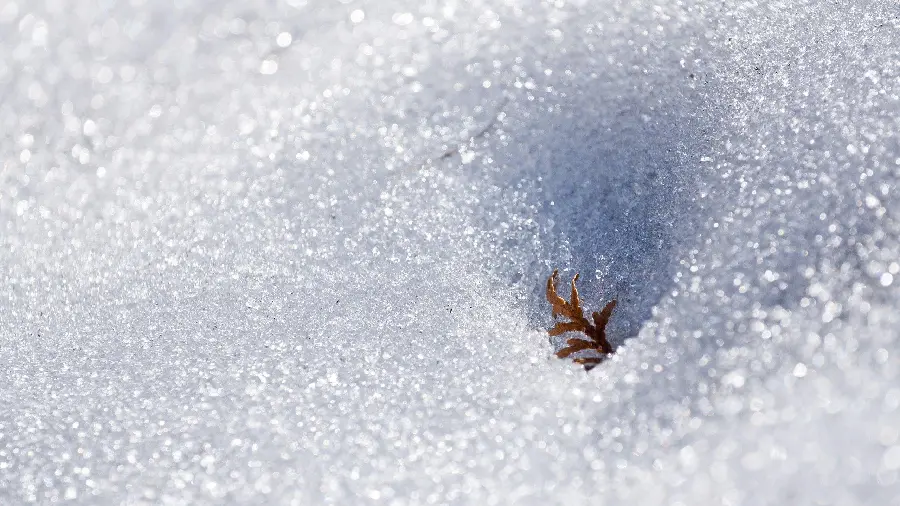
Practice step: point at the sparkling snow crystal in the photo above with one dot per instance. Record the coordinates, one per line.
(294, 251)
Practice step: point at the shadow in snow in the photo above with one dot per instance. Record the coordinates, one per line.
(613, 182)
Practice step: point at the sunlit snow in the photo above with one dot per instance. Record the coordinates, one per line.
(293, 252)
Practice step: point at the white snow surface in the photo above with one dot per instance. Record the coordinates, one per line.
(294, 252)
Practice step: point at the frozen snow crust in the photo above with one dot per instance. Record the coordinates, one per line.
(293, 253)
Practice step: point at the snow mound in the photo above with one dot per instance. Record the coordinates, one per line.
(294, 252)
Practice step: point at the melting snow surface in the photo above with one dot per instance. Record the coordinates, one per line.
(262, 252)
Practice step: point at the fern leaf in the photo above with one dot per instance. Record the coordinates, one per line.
(576, 302)
(557, 303)
(578, 323)
(568, 350)
(563, 327)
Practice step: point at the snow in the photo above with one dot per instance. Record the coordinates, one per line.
(259, 252)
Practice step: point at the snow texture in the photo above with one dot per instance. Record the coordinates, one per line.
(293, 252)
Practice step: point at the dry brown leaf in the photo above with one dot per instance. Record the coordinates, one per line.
(563, 327)
(575, 345)
(578, 323)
